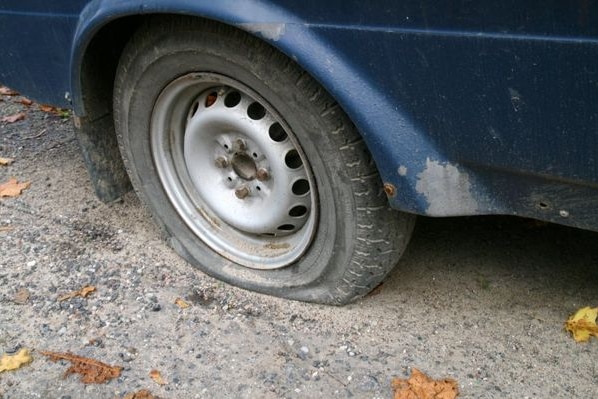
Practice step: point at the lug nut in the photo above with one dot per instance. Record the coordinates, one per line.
(221, 162)
(242, 192)
(262, 174)
(240, 144)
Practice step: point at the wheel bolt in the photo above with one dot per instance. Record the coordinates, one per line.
(242, 192)
(221, 162)
(240, 144)
(262, 174)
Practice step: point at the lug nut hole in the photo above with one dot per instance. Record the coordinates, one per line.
(211, 99)
(232, 99)
(300, 187)
(293, 160)
(194, 109)
(256, 111)
(277, 133)
(298, 211)
(286, 227)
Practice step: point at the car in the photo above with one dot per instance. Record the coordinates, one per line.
(286, 147)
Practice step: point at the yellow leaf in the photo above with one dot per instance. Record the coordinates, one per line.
(92, 371)
(12, 188)
(5, 91)
(13, 118)
(83, 292)
(8, 362)
(420, 386)
(22, 296)
(181, 303)
(157, 377)
(583, 324)
(6, 161)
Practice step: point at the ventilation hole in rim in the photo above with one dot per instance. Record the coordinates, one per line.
(300, 187)
(277, 133)
(232, 99)
(286, 227)
(256, 111)
(229, 178)
(225, 146)
(211, 99)
(254, 155)
(298, 211)
(258, 188)
(194, 109)
(292, 159)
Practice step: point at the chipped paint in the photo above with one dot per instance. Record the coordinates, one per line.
(447, 190)
(270, 31)
(402, 170)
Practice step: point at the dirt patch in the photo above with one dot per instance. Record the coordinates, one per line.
(480, 300)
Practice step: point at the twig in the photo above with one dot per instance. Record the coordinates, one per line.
(36, 136)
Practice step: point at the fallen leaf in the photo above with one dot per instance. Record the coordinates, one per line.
(6, 228)
(5, 91)
(92, 371)
(62, 112)
(24, 101)
(157, 377)
(6, 161)
(14, 118)
(13, 362)
(141, 394)
(583, 324)
(22, 296)
(420, 386)
(181, 303)
(12, 188)
(83, 292)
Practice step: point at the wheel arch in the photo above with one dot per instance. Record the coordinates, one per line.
(105, 27)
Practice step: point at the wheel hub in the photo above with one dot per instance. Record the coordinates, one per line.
(244, 166)
(234, 171)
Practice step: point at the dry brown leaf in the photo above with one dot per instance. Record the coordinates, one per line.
(12, 188)
(420, 386)
(583, 324)
(13, 362)
(157, 377)
(92, 371)
(141, 394)
(5, 91)
(181, 303)
(24, 101)
(6, 161)
(83, 292)
(13, 118)
(22, 296)
(6, 228)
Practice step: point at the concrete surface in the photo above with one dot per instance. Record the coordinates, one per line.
(481, 300)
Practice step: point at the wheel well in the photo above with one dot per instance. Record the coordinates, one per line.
(95, 128)
(98, 67)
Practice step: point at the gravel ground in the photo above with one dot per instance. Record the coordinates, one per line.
(482, 300)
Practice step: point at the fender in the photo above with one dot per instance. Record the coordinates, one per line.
(299, 40)
(451, 103)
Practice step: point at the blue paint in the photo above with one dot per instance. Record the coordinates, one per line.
(503, 95)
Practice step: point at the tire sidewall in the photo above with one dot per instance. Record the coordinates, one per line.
(284, 88)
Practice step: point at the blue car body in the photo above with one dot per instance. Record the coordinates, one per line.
(467, 107)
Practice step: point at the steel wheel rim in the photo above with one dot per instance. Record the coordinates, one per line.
(234, 171)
